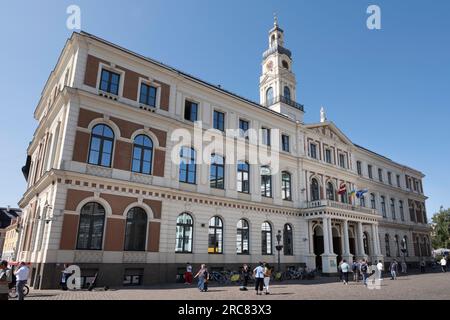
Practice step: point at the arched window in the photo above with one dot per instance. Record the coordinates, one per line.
(90, 230)
(287, 93)
(344, 197)
(187, 165)
(330, 191)
(386, 243)
(185, 232)
(315, 194)
(286, 186)
(393, 208)
(288, 244)
(366, 243)
(266, 238)
(136, 230)
(101, 148)
(242, 237)
(243, 176)
(397, 245)
(372, 201)
(217, 172)
(142, 154)
(266, 182)
(215, 235)
(269, 96)
(383, 206)
(402, 214)
(272, 40)
(285, 65)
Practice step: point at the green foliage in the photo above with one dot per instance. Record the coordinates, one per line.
(441, 237)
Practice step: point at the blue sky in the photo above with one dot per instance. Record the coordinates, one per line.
(387, 89)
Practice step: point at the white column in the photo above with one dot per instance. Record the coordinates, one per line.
(326, 235)
(311, 237)
(374, 242)
(378, 239)
(360, 238)
(330, 237)
(346, 239)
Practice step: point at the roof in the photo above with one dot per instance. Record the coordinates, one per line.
(7, 215)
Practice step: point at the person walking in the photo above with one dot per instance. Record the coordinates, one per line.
(65, 275)
(345, 269)
(380, 268)
(355, 270)
(404, 267)
(5, 280)
(267, 275)
(444, 264)
(422, 266)
(393, 268)
(258, 273)
(188, 274)
(22, 278)
(201, 274)
(245, 276)
(341, 278)
(364, 271)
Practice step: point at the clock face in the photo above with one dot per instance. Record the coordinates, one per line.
(269, 65)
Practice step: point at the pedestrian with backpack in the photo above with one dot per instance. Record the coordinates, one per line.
(364, 271)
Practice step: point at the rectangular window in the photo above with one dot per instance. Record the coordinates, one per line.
(369, 171)
(380, 175)
(148, 95)
(383, 206)
(393, 208)
(313, 150)
(390, 178)
(421, 187)
(342, 160)
(109, 82)
(407, 182)
(398, 180)
(358, 167)
(328, 155)
(219, 120)
(265, 136)
(285, 142)
(243, 126)
(402, 215)
(190, 111)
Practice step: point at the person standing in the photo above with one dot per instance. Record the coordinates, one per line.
(65, 275)
(258, 273)
(201, 277)
(444, 264)
(345, 269)
(404, 267)
(267, 275)
(393, 268)
(341, 278)
(422, 266)
(188, 274)
(364, 271)
(5, 279)
(22, 278)
(380, 268)
(245, 275)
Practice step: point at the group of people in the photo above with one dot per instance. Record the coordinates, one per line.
(262, 274)
(362, 269)
(10, 278)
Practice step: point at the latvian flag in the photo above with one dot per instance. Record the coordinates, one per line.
(342, 188)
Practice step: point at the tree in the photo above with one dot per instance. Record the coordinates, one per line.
(441, 234)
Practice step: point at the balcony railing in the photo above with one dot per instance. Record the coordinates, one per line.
(285, 100)
(339, 205)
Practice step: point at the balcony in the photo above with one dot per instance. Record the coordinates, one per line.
(339, 205)
(287, 101)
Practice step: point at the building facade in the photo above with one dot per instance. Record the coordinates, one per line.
(11, 239)
(8, 217)
(105, 193)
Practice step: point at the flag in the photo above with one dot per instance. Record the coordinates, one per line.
(342, 188)
(352, 193)
(360, 193)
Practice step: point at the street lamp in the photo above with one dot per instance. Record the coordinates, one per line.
(279, 247)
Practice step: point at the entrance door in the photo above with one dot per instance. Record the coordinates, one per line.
(318, 246)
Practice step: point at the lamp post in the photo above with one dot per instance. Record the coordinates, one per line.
(279, 247)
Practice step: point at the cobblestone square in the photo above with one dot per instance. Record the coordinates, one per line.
(432, 286)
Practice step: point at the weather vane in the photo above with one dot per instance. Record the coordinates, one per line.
(275, 19)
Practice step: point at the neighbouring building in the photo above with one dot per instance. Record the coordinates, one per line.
(104, 193)
(8, 219)
(11, 240)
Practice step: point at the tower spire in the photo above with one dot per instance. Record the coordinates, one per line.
(275, 19)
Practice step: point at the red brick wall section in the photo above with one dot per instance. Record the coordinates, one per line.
(158, 164)
(156, 206)
(69, 232)
(115, 234)
(90, 76)
(131, 83)
(153, 236)
(86, 116)
(81, 147)
(74, 197)
(126, 128)
(122, 156)
(165, 95)
(118, 203)
(161, 135)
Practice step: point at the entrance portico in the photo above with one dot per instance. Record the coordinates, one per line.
(331, 223)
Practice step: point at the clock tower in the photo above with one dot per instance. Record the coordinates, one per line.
(277, 84)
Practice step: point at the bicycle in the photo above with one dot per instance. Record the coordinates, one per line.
(13, 293)
(217, 277)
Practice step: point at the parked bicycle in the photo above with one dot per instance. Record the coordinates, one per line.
(13, 293)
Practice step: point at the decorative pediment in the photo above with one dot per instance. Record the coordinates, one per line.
(330, 131)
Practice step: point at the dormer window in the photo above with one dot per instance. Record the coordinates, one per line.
(110, 82)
